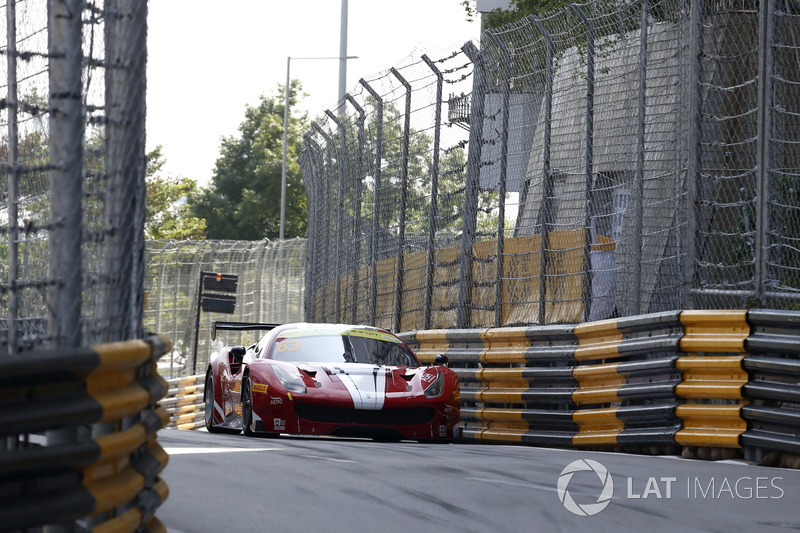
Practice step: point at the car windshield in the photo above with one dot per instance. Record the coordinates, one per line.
(364, 346)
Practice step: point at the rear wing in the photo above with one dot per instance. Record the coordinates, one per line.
(240, 326)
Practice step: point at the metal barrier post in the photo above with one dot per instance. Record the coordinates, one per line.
(501, 217)
(66, 156)
(638, 237)
(471, 192)
(328, 229)
(342, 163)
(432, 207)
(587, 246)
(357, 230)
(376, 198)
(543, 217)
(401, 244)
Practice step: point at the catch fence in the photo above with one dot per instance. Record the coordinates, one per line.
(603, 159)
(270, 288)
(72, 163)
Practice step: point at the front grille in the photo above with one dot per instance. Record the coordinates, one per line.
(346, 415)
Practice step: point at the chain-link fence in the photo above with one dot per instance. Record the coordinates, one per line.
(604, 159)
(72, 162)
(270, 288)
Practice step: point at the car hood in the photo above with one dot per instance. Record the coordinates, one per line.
(368, 385)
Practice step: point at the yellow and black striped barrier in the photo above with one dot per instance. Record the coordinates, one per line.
(184, 402)
(680, 379)
(55, 470)
(773, 366)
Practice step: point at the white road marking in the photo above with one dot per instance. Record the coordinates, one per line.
(180, 450)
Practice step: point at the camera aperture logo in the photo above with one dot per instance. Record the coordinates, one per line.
(587, 509)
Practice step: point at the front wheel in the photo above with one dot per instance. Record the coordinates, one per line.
(208, 400)
(247, 407)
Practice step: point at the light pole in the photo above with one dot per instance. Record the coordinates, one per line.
(286, 127)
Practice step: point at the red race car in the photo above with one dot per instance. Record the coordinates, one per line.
(329, 379)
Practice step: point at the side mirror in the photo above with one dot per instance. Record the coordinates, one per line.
(237, 352)
(441, 360)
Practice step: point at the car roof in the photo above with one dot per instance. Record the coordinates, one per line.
(332, 329)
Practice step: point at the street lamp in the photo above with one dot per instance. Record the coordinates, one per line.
(286, 127)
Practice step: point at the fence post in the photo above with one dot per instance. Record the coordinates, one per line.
(464, 319)
(13, 171)
(587, 241)
(501, 216)
(328, 226)
(376, 198)
(340, 216)
(765, 60)
(401, 245)
(543, 217)
(126, 52)
(693, 159)
(357, 230)
(66, 159)
(308, 178)
(432, 207)
(313, 254)
(638, 237)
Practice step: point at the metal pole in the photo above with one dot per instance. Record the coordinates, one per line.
(332, 233)
(125, 85)
(501, 216)
(547, 179)
(376, 198)
(471, 189)
(285, 144)
(433, 207)
(66, 156)
(341, 164)
(66, 195)
(763, 153)
(693, 163)
(638, 234)
(401, 237)
(357, 230)
(342, 56)
(587, 243)
(13, 173)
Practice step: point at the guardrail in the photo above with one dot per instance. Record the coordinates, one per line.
(80, 427)
(773, 366)
(184, 402)
(708, 384)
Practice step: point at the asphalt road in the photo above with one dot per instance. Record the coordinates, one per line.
(232, 483)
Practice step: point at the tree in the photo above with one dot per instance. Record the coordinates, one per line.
(167, 212)
(518, 10)
(243, 199)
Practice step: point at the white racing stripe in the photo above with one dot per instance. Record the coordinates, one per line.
(367, 387)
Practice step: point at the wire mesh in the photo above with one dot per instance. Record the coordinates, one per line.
(270, 289)
(72, 199)
(603, 159)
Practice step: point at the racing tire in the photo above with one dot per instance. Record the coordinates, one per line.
(208, 401)
(247, 407)
(247, 411)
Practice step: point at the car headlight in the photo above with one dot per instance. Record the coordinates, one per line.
(436, 388)
(292, 383)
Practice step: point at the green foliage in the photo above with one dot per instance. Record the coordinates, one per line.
(167, 212)
(519, 9)
(243, 200)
